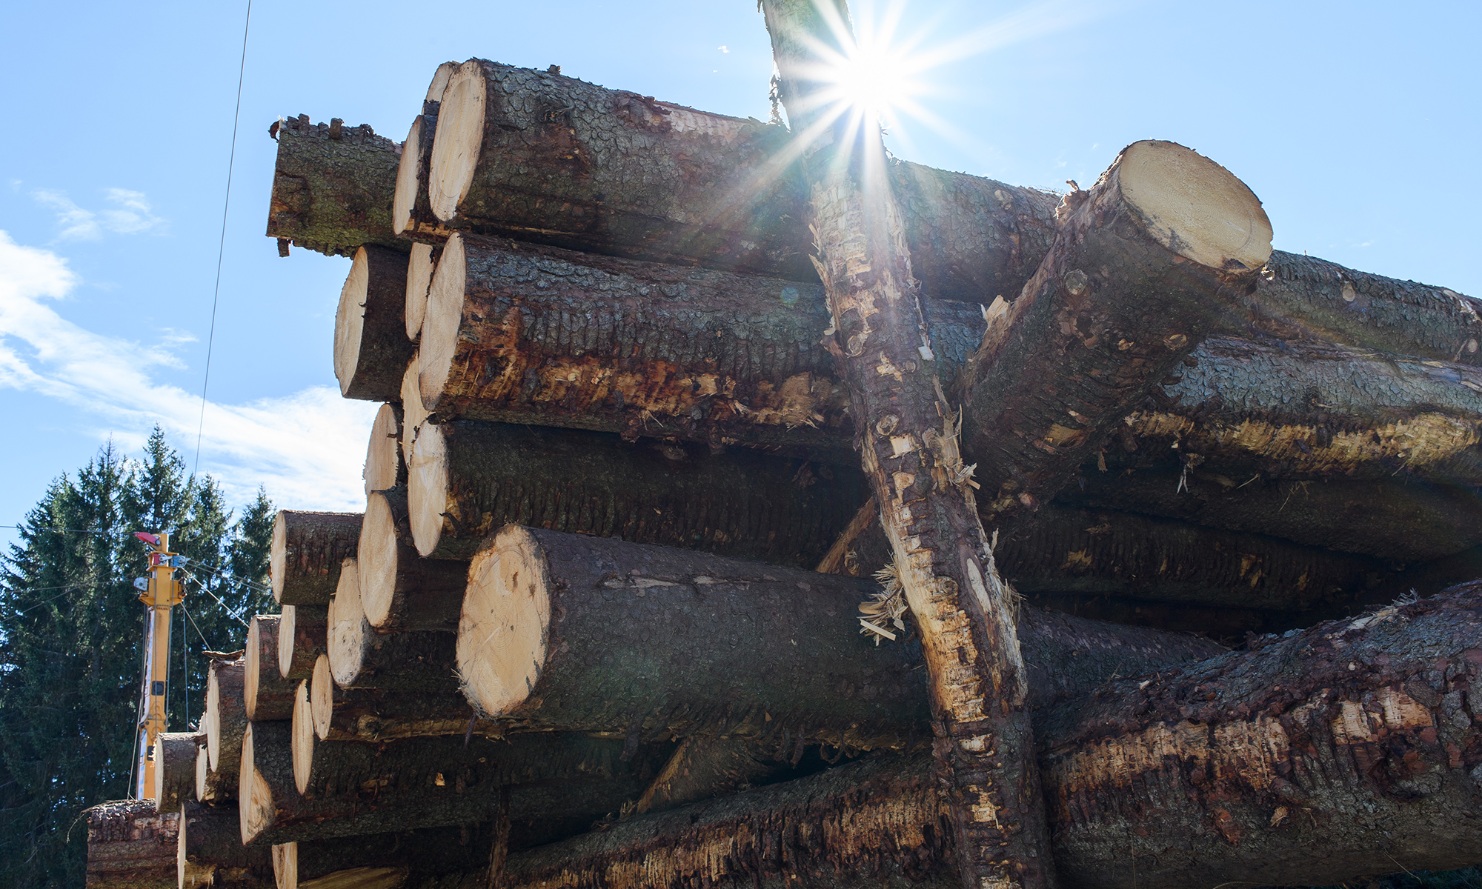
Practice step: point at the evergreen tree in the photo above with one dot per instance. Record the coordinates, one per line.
(71, 640)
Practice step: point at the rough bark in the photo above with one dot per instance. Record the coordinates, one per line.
(175, 771)
(512, 332)
(370, 343)
(468, 479)
(332, 187)
(431, 852)
(306, 553)
(1318, 410)
(567, 632)
(1140, 271)
(420, 266)
(377, 714)
(131, 845)
(225, 717)
(383, 464)
(210, 852)
(212, 786)
(265, 693)
(417, 661)
(302, 634)
(704, 768)
(399, 589)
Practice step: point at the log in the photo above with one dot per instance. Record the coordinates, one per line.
(210, 851)
(265, 693)
(420, 265)
(302, 634)
(565, 632)
(1141, 269)
(415, 661)
(370, 343)
(555, 778)
(705, 768)
(411, 211)
(413, 413)
(382, 857)
(331, 713)
(175, 770)
(400, 590)
(468, 479)
(225, 717)
(332, 187)
(211, 785)
(383, 465)
(130, 845)
(306, 552)
(512, 333)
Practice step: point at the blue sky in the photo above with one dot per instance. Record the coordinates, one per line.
(1357, 123)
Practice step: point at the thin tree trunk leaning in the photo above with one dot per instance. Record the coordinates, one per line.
(175, 771)
(210, 851)
(225, 716)
(332, 187)
(383, 464)
(131, 845)
(420, 266)
(416, 661)
(370, 343)
(1143, 265)
(377, 714)
(431, 852)
(303, 631)
(265, 693)
(566, 632)
(400, 590)
(307, 549)
(468, 479)
(411, 212)
(907, 437)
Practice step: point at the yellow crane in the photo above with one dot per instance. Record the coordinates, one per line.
(160, 592)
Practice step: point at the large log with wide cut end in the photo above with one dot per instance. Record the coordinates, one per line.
(468, 479)
(1140, 271)
(225, 716)
(306, 553)
(400, 590)
(332, 187)
(370, 343)
(210, 852)
(561, 631)
(175, 769)
(131, 845)
(411, 210)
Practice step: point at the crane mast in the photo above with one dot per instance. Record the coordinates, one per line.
(160, 592)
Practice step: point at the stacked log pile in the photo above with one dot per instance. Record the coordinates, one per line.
(598, 623)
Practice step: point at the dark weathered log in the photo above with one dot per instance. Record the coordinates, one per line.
(303, 631)
(512, 332)
(175, 769)
(371, 348)
(225, 717)
(306, 553)
(265, 693)
(418, 661)
(561, 631)
(1141, 269)
(704, 768)
(332, 187)
(131, 845)
(383, 464)
(431, 852)
(420, 266)
(560, 778)
(332, 713)
(468, 479)
(400, 590)
(1319, 410)
(210, 852)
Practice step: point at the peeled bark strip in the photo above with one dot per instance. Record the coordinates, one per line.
(566, 632)
(416, 661)
(468, 479)
(383, 465)
(377, 714)
(1143, 266)
(420, 266)
(370, 343)
(332, 187)
(1318, 410)
(175, 771)
(400, 590)
(131, 845)
(265, 693)
(431, 852)
(226, 714)
(303, 631)
(210, 851)
(306, 553)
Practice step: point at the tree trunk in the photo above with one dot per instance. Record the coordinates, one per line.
(210, 851)
(431, 852)
(383, 464)
(469, 479)
(1143, 266)
(302, 634)
(212, 786)
(420, 267)
(225, 716)
(377, 714)
(566, 632)
(265, 693)
(370, 343)
(332, 187)
(416, 661)
(131, 845)
(306, 553)
(175, 770)
(400, 590)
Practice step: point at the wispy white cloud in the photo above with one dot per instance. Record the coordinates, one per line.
(306, 448)
(126, 212)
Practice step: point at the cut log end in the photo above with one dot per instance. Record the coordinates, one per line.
(347, 627)
(211, 720)
(1194, 206)
(254, 795)
(427, 490)
(303, 737)
(458, 139)
(285, 865)
(349, 321)
(383, 451)
(419, 277)
(503, 630)
(376, 560)
(413, 413)
(404, 196)
(278, 555)
(440, 324)
(321, 697)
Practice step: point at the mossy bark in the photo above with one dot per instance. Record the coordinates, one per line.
(332, 187)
